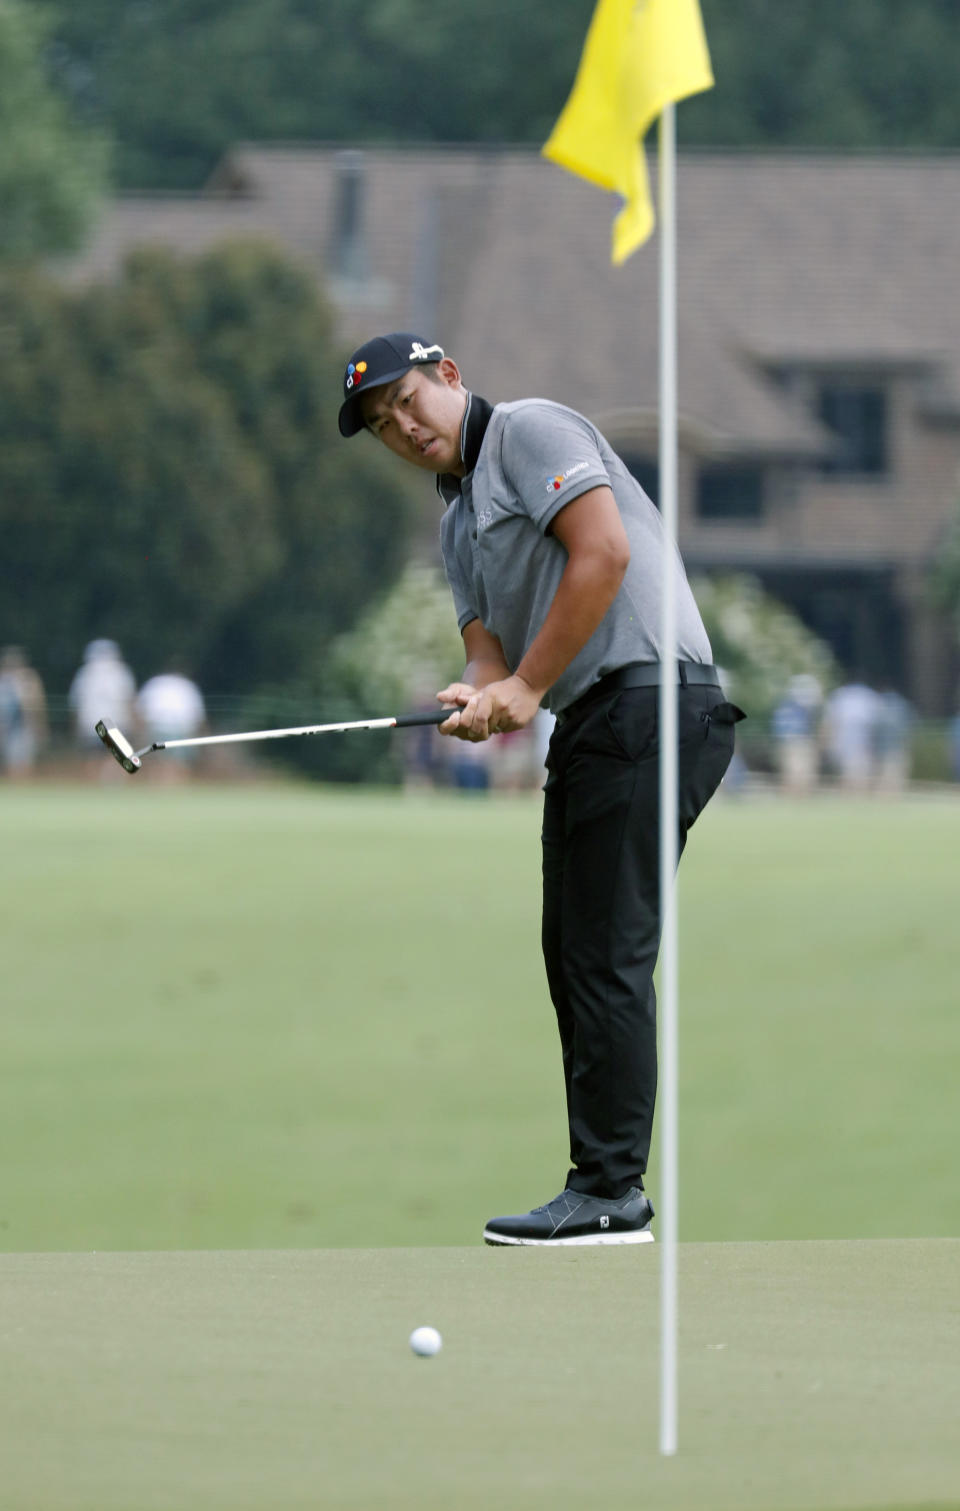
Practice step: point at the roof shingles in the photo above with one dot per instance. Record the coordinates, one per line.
(782, 259)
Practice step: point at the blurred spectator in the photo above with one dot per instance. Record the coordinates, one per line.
(23, 712)
(103, 688)
(955, 747)
(422, 765)
(422, 752)
(170, 707)
(737, 774)
(850, 717)
(511, 760)
(891, 740)
(543, 727)
(795, 727)
(470, 764)
(516, 764)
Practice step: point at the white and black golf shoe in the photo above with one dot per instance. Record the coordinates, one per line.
(573, 1218)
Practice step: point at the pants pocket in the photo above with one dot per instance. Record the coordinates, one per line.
(631, 720)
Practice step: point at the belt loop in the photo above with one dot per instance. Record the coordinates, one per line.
(683, 673)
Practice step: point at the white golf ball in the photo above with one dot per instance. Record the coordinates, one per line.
(425, 1341)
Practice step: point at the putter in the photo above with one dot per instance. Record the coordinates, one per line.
(131, 760)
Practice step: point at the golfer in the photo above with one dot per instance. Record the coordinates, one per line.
(554, 556)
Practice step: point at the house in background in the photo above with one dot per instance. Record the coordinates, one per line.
(819, 342)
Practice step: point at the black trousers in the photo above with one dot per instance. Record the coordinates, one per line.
(601, 910)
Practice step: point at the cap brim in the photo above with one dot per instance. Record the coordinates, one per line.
(351, 419)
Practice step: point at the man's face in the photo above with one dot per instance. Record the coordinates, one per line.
(419, 417)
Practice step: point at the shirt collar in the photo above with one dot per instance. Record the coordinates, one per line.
(473, 428)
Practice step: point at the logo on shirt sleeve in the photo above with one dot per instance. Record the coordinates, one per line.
(555, 483)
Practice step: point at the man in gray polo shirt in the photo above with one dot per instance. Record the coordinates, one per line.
(554, 556)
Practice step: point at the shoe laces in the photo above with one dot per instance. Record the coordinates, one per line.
(566, 1197)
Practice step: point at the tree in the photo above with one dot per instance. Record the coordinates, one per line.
(407, 645)
(402, 649)
(171, 474)
(51, 174)
(179, 82)
(866, 74)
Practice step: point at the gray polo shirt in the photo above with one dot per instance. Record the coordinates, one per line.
(504, 568)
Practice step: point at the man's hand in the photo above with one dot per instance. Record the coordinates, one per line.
(494, 709)
(455, 692)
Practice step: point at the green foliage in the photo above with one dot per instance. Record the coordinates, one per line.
(51, 174)
(403, 649)
(171, 474)
(930, 753)
(945, 574)
(864, 74)
(407, 646)
(758, 643)
(182, 81)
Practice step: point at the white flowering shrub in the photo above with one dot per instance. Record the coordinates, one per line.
(758, 643)
(408, 645)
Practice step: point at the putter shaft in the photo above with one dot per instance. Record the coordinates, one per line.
(123, 752)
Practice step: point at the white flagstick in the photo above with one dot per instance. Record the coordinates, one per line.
(668, 789)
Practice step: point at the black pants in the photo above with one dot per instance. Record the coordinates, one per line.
(601, 910)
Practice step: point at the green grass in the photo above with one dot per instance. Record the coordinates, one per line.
(287, 1029)
(814, 1375)
(283, 1017)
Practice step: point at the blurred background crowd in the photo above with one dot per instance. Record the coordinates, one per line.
(854, 737)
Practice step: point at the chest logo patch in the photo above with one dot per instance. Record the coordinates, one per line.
(555, 483)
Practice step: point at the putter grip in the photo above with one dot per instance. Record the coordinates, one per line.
(432, 716)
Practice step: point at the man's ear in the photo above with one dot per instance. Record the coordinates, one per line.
(450, 372)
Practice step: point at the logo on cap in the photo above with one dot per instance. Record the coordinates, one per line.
(421, 353)
(355, 374)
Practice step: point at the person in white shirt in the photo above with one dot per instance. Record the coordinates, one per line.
(170, 707)
(103, 688)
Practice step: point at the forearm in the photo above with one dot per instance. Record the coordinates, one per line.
(480, 671)
(486, 662)
(598, 553)
(585, 592)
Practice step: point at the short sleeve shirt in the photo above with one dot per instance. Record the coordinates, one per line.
(504, 567)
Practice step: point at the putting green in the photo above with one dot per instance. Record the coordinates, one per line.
(819, 1374)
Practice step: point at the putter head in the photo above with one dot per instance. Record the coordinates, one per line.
(119, 747)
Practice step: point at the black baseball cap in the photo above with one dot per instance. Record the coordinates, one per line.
(380, 361)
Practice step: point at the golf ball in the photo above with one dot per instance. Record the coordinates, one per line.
(425, 1341)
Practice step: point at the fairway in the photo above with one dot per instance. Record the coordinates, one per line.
(817, 1375)
(280, 1017)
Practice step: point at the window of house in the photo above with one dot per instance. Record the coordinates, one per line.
(857, 415)
(646, 470)
(730, 492)
(349, 258)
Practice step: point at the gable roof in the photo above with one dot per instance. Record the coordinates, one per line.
(784, 261)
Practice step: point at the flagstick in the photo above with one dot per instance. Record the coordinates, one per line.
(668, 788)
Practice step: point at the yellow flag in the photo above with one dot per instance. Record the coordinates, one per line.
(639, 55)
